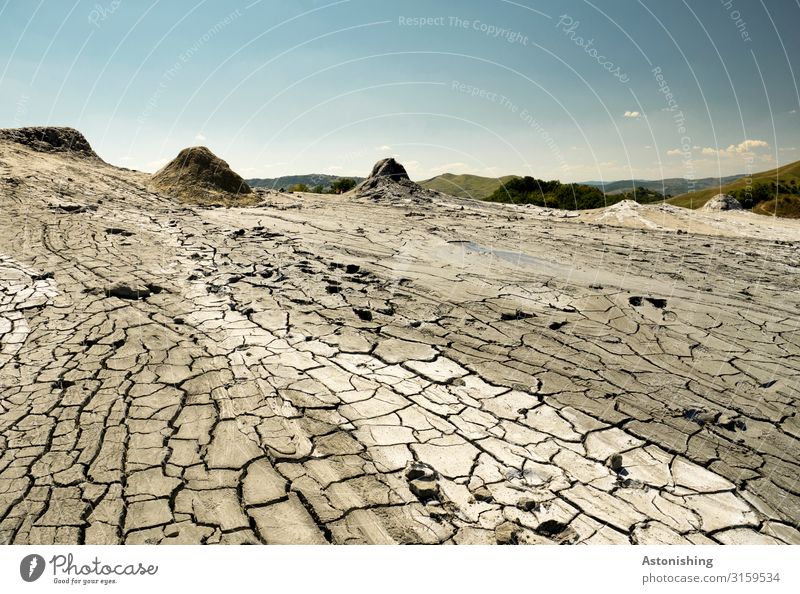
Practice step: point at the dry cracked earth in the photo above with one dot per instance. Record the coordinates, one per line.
(388, 368)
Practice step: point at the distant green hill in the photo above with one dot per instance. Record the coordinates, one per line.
(465, 185)
(311, 180)
(475, 186)
(787, 175)
(671, 186)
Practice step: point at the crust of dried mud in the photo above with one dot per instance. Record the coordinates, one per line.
(399, 367)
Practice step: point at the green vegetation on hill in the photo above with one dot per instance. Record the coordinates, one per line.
(783, 176)
(671, 186)
(475, 186)
(466, 186)
(640, 194)
(782, 206)
(340, 186)
(779, 199)
(312, 181)
(554, 194)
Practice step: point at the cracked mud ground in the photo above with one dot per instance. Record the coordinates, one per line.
(346, 369)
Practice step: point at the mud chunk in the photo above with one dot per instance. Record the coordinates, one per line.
(422, 480)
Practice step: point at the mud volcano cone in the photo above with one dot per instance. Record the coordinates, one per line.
(388, 169)
(51, 139)
(387, 175)
(722, 202)
(198, 176)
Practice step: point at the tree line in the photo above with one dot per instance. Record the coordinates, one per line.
(554, 194)
(340, 186)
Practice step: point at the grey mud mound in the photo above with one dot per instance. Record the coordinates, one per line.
(389, 168)
(198, 176)
(326, 369)
(50, 140)
(722, 202)
(389, 182)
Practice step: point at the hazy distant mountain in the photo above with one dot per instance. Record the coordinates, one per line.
(672, 186)
(311, 180)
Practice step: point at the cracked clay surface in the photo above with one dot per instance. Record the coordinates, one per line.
(387, 369)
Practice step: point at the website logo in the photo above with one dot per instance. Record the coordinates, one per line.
(31, 567)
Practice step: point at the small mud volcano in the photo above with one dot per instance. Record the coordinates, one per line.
(198, 176)
(722, 202)
(51, 139)
(389, 181)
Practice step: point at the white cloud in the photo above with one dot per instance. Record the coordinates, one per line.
(383, 148)
(787, 149)
(199, 136)
(792, 111)
(449, 168)
(333, 168)
(746, 147)
(632, 114)
(647, 146)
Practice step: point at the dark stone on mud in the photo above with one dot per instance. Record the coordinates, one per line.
(507, 533)
(483, 494)
(615, 462)
(701, 417)
(118, 231)
(527, 504)
(551, 528)
(422, 481)
(517, 315)
(125, 291)
(364, 315)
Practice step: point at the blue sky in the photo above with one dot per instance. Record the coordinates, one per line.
(574, 90)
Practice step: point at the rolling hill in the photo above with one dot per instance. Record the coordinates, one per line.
(475, 186)
(672, 186)
(465, 185)
(785, 175)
